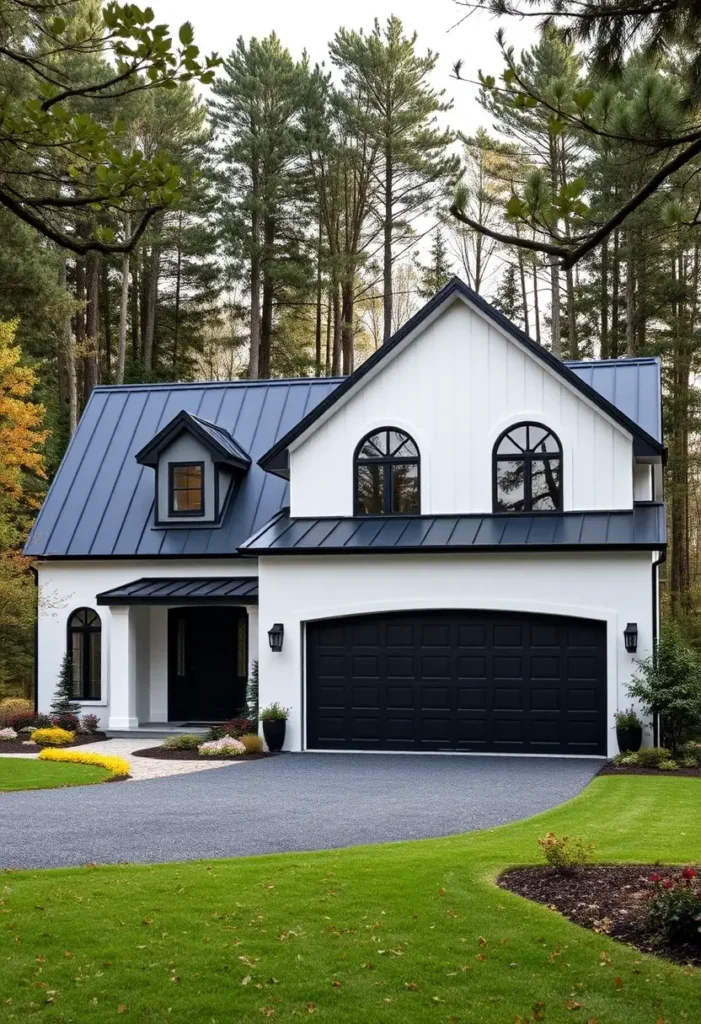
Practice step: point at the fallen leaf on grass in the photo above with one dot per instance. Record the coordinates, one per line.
(481, 941)
(121, 1008)
(411, 985)
(618, 982)
(336, 984)
(311, 1007)
(480, 956)
(572, 1004)
(246, 980)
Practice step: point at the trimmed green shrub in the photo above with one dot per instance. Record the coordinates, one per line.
(668, 766)
(183, 741)
(652, 757)
(64, 702)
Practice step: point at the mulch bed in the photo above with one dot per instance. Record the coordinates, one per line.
(192, 755)
(635, 769)
(18, 747)
(606, 899)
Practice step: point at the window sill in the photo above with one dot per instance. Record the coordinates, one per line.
(92, 703)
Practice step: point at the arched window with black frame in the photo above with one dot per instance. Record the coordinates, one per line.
(387, 474)
(528, 469)
(85, 652)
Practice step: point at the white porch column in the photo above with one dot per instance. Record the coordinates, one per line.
(122, 669)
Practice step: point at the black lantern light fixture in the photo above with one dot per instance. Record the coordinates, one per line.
(630, 637)
(275, 636)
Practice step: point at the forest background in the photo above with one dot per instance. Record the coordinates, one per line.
(166, 216)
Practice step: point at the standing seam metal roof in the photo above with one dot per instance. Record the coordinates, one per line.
(100, 504)
(641, 528)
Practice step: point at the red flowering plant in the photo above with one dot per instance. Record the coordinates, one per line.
(674, 907)
(234, 727)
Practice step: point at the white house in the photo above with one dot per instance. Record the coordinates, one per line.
(449, 543)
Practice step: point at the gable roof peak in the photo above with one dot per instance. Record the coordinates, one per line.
(223, 446)
(276, 459)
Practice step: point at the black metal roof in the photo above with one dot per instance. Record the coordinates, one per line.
(100, 504)
(642, 528)
(275, 459)
(186, 590)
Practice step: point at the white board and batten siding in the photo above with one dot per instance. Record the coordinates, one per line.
(455, 388)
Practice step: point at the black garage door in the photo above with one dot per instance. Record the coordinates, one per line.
(478, 681)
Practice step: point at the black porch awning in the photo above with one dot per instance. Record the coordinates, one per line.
(185, 590)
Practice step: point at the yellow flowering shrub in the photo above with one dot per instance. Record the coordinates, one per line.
(117, 765)
(53, 737)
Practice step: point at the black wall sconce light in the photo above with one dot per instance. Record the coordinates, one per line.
(630, 637)
(275, 636)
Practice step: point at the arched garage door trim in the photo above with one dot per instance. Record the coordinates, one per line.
(474, 681)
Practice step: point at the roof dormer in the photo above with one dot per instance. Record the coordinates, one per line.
(197, 467)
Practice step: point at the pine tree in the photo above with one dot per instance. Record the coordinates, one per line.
(436, 274)
(508, 297)
(399, 107)
(64, 702)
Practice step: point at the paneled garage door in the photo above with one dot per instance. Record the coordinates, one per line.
(475, 681)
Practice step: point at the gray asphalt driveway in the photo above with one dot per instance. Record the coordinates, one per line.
(292, 802)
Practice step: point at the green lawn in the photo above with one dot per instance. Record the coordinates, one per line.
(28, 773)
(397, 933)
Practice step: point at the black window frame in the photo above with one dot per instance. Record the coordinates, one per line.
(389, 461)
(528, 456)
(86, 631)
(188, 513)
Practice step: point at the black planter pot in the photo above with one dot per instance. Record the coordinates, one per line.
(629, 739)
(274, 732)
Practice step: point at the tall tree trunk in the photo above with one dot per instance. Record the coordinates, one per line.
(123, 310)
(571, 320)
(337, 336)
(135, 308)
(536, 304)
(555, 329)
(178, 285)
(328, 333)
(630, 296)
(604, 301)
(524, 293)
(68, 394)
(317, 332)
(615, 297)
(266, 327)
(347, 312)
(106, 321)
(256, 275)
(387, 254)
(91, 360)
(154, 270)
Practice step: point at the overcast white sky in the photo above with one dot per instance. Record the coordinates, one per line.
(305, 24)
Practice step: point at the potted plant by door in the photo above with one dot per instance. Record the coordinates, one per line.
(629, 731)
(274, 719)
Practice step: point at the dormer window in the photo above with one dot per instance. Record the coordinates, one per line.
(186, 488)
(387, 474)
(528, 470)
(198, 466)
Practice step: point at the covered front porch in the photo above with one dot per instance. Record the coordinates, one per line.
(180, 652)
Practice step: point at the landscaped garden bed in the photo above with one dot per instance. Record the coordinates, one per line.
(23, 745)
(637, 769)
(608, 899)
(165, 754)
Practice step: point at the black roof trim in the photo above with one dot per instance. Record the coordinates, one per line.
(646, 444)
(223, 446)
(642, 528)
(184, 590)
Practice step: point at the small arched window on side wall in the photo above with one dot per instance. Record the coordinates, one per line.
(387, 474)
(85, 652)
(528, 470)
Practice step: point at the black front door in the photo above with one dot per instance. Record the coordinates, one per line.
(457, 680)
(207, 663)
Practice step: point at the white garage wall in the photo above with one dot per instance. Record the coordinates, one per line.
(67, 585)
(454, 389)
(615, 588)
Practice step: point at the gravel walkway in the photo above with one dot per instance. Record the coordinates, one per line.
(143, 767)
(292, 802)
